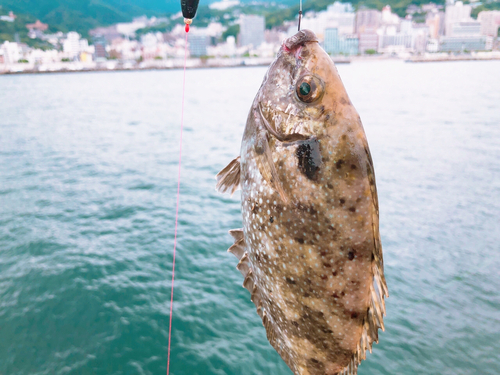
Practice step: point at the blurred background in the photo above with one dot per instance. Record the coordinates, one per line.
(88, 180)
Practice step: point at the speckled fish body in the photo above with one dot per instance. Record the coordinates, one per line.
(310, 250)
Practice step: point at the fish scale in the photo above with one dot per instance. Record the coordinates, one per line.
(309, 249)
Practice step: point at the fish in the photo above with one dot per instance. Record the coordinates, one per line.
(310, 250)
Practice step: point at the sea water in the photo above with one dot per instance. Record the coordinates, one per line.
(88, 179)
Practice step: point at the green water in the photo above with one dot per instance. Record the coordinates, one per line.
(88, 169)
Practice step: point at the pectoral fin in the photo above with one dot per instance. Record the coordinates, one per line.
(228, 180)
(265, 163)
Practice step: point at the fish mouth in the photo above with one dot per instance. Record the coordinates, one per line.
(295, 43)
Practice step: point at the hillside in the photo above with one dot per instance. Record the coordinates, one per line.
(83, 15)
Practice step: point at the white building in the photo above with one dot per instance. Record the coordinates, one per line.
(338, 16)
(128, 29)
(251, 30)
(454, 13)
(389, 18)
(224, 4)
(73, 46)
(466, 28)
(490, 22)
(11, 52)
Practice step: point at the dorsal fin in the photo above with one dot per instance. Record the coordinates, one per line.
(228, 179)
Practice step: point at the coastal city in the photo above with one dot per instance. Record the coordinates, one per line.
(429, 32)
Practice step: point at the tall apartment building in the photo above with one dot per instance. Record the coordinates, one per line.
(251, 30)
(490, 22)
(454, 13)
(367, 23)
(368, 20)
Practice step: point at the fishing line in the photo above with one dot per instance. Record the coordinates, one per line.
(189, 8)
(178, 198)
(300, 13)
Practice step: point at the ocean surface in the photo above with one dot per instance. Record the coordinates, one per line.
(88, 177)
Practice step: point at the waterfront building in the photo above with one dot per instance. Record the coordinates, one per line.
(421, 36)
(251, 30)
(465, 43)
(466, 28)
(71, 44)
(125, 49)
(11, 52)
(395, 43)
(490, 22)
(336, 44)
(198, 41)
(100, 49)
(340, 16)
(367, 41)
(454, 13)
(368, 21)
(435, 21)
(389, 18)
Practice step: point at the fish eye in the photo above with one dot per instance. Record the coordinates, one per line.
(305, 89)
(309, 88)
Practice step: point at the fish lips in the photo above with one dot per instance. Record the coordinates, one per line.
(295, 43)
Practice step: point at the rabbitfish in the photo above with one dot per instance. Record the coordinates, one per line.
(310, 250)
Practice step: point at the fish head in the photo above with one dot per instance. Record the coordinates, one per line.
(302, 94)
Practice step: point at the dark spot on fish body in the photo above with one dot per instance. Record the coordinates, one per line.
(259, 146)
(334, 273)
(350, 255)
(342, 200)
(299, 240)
(354, 315)
(345, 101)
(315, 367)
(309, 158)
(329, 186)
(290, 281)
(339, 163)
(352, 209)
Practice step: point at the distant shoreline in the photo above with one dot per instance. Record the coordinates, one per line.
(175, 64)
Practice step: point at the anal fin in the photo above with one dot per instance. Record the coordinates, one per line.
(258, 296)
(238, 248)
